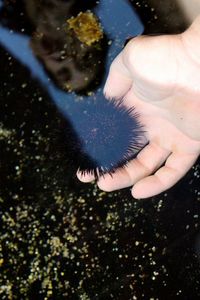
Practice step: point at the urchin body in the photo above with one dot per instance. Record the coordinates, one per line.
(110, 135)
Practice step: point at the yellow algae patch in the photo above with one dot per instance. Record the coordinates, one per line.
(86, 27)
(5, 133)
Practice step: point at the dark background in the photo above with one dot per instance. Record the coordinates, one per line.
(61, 239)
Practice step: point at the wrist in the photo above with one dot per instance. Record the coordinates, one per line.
(191, 40)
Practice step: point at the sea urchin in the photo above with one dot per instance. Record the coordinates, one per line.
(110, 135)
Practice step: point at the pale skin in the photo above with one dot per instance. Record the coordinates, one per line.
(160, 77)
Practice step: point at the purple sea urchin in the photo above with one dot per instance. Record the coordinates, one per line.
(110, 135)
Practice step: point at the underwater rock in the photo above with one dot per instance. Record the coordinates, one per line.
(86, 27)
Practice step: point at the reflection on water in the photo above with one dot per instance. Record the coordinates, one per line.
(59, 238)
(72, 57)
(76, 63)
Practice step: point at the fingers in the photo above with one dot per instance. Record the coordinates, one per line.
(119, 80)
(138, 172)
(147, 161)
(85, 177)
(175, 168)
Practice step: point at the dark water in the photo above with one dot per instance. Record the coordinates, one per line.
(61, 239)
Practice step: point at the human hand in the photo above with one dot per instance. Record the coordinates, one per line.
(160, 77)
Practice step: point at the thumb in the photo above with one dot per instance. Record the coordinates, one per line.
(119, 79)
